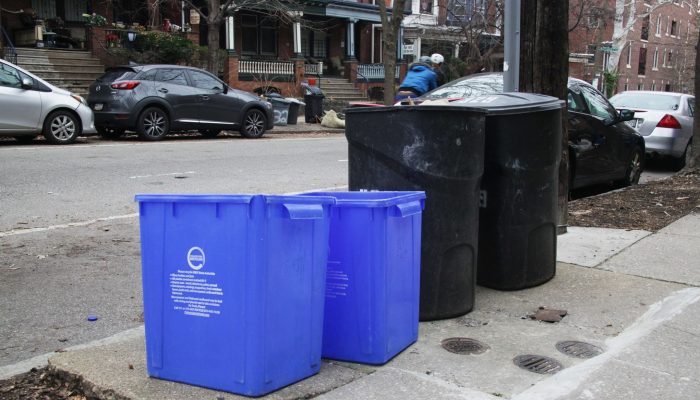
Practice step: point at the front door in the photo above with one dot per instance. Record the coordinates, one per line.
(216, 109)
(171, 85)
(20, 108)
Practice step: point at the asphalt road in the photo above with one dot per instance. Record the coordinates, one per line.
(69, 243)
(55, 274)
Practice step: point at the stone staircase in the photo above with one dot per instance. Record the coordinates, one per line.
(72, 70)
(339, 89)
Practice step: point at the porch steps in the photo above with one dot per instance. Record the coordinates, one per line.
(339, 89)
(73, 70)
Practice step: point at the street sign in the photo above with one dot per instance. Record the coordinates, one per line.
(409, 49)
(608, 49)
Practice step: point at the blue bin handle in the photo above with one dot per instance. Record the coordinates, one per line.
(408, 209)
(304, 211)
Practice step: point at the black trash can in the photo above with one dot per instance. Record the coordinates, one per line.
(313, 98)
(280, 108)
(518, 218)
(437, 149)
(294, 105)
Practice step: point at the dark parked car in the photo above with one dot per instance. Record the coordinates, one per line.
(154, 100)
(601, 147)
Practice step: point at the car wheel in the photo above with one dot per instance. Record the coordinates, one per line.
(209, 133)
(153, 124)
(635, 165)
(254, 124)
(61, 127)
(110, 133)
(25, 139)
(678, 163)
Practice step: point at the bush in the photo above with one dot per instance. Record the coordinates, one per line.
(163, 47)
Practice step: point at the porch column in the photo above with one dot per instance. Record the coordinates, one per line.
(399, 44)
(230, 38)
(297, 33)
(350, 39)
(417, 52)
(457, 50)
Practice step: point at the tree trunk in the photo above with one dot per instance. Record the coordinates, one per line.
(213, 25)
(389, 56)
(695, 146)
(390, 35)
(544, 68)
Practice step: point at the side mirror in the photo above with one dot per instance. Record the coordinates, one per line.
(27, 83)
(626, 115)
(225, 88)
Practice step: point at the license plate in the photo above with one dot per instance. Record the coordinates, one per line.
(98, 106)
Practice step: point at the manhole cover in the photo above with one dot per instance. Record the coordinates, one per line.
(538, 364)
(578, 349)
(460, 345)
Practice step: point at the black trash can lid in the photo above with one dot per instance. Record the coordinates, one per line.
(511, 103)
(492, 104)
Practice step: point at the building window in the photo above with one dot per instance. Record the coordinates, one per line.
(457, 13)
(668, 87)
(655, 62)
(658, 25)
(258, 35)
(626, 87)
(669, 58)
(653, 86)
(426, 6)
(642, 66)
(640, 86)
(674, 28)
(645, 28)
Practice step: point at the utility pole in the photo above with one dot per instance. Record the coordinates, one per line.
(511, 51)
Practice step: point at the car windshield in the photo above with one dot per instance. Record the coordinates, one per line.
(470, 86)
(116, 74)
(646, 100)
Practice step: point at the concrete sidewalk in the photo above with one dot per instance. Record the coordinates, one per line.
(633, 294)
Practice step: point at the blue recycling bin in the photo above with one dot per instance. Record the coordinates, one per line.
(233, 288)
(373, 276)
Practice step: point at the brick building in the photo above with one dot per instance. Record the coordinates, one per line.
(654, 40)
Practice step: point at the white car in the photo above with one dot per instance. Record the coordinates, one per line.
(30, 106)
(664, 119)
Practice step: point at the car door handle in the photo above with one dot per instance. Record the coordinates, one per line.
(204, 97)
(163, 90)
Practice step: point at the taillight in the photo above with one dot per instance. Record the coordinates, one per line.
(126, 85)
(668, 121)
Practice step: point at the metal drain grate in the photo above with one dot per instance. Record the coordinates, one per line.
(578, 349)
(461, 345)
(538, 364)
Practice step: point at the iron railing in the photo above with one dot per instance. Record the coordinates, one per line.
(10, 53)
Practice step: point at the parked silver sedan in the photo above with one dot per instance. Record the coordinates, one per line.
(664, 119)
(30, 106)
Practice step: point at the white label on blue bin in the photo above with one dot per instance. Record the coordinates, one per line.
(195, 292)
(195, 258)
(337, 281)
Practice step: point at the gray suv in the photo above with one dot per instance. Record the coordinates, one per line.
(154, 100)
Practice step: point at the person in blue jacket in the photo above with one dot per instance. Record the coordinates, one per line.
(419, 79)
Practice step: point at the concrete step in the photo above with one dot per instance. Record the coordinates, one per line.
(42, 61)
(66, 75)
(42, 68)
